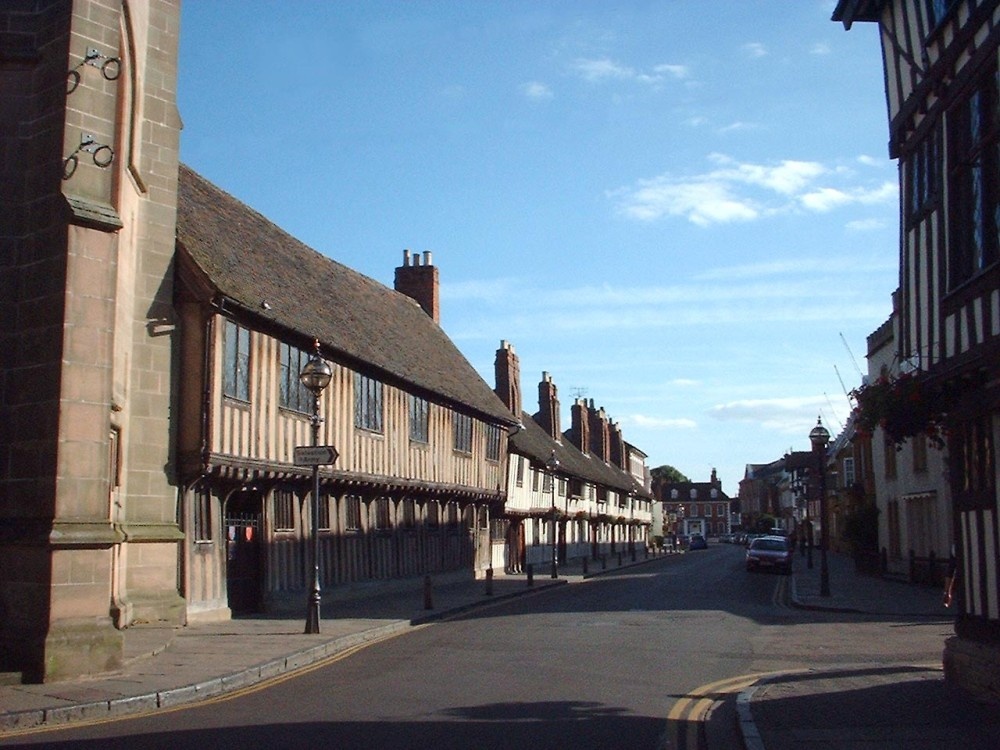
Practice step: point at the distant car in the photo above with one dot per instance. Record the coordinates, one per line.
(770, 552)
(697, 541)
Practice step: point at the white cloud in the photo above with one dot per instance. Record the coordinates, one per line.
(786, 415)
(755, 49)
(825, 199)
(735, 127)
(702, 201)
(871, 161)
(603, 69)
(536, 90)
(742, 191)
(679, 72)
(820, 48)
(684, 382)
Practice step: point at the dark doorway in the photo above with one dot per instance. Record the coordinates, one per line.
(244, 551)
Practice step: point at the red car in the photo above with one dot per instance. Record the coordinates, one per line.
(770, 552)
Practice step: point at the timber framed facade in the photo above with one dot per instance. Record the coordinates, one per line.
(421, 438)
(594, 502)
(942, 74)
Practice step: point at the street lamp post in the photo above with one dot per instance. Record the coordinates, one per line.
(553, 464)
(820, 436)
(315, 376)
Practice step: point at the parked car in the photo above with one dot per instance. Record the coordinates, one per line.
(772, 552)
(697, 541)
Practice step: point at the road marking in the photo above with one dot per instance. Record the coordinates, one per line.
(779, 598)
(686, 720)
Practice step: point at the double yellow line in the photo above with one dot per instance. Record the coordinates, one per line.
(686, 720)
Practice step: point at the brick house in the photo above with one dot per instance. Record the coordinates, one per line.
(694, 507)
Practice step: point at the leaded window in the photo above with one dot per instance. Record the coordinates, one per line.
(236, 361)
(291, 393)
(419, 410)
(367, 403)
(284, 510)
(974, 200)
(492, 443)
(463, 433)
(922, 177)
(352, 513)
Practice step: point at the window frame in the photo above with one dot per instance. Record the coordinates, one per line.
(283, 503)
(292, 394)
(368, 403)
(235, 361)
(974, 149)
(419, 415)
(492, 442)
(352, 513)
(462, 429)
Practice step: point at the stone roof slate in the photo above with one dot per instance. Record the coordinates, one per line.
(250, 261)
(536, 443)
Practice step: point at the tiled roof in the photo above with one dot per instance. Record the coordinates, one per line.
(535, 443)
(250, 261)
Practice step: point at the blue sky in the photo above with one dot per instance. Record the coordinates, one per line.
(681, 209)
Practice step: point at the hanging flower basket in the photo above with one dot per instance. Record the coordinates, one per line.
(904, 407)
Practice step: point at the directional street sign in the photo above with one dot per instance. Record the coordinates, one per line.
(315, 455)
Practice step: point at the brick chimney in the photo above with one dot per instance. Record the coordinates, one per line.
(617, 446)
(548, 407)
(507, 369)
(579, 432)
(599, 437)
(420, 282)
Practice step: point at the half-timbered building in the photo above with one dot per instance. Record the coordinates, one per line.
(421, 438)
(943, 93)
(579, 494)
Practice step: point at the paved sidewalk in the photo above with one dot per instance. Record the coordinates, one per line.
(167, 666)
(864, 706)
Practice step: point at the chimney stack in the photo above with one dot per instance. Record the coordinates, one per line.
(420, 282)
(548, 407)
(579, 432)
(617, 446)
(507, 369)
(599, 437)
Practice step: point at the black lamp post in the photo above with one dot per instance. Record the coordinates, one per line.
(820, 436)
(315, 376)
(553, 464)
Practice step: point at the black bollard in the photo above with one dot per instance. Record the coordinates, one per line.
(489, 582)
(531, 575)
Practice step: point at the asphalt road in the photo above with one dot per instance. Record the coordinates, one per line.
(619, 661)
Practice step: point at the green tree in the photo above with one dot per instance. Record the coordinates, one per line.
(667, 474)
